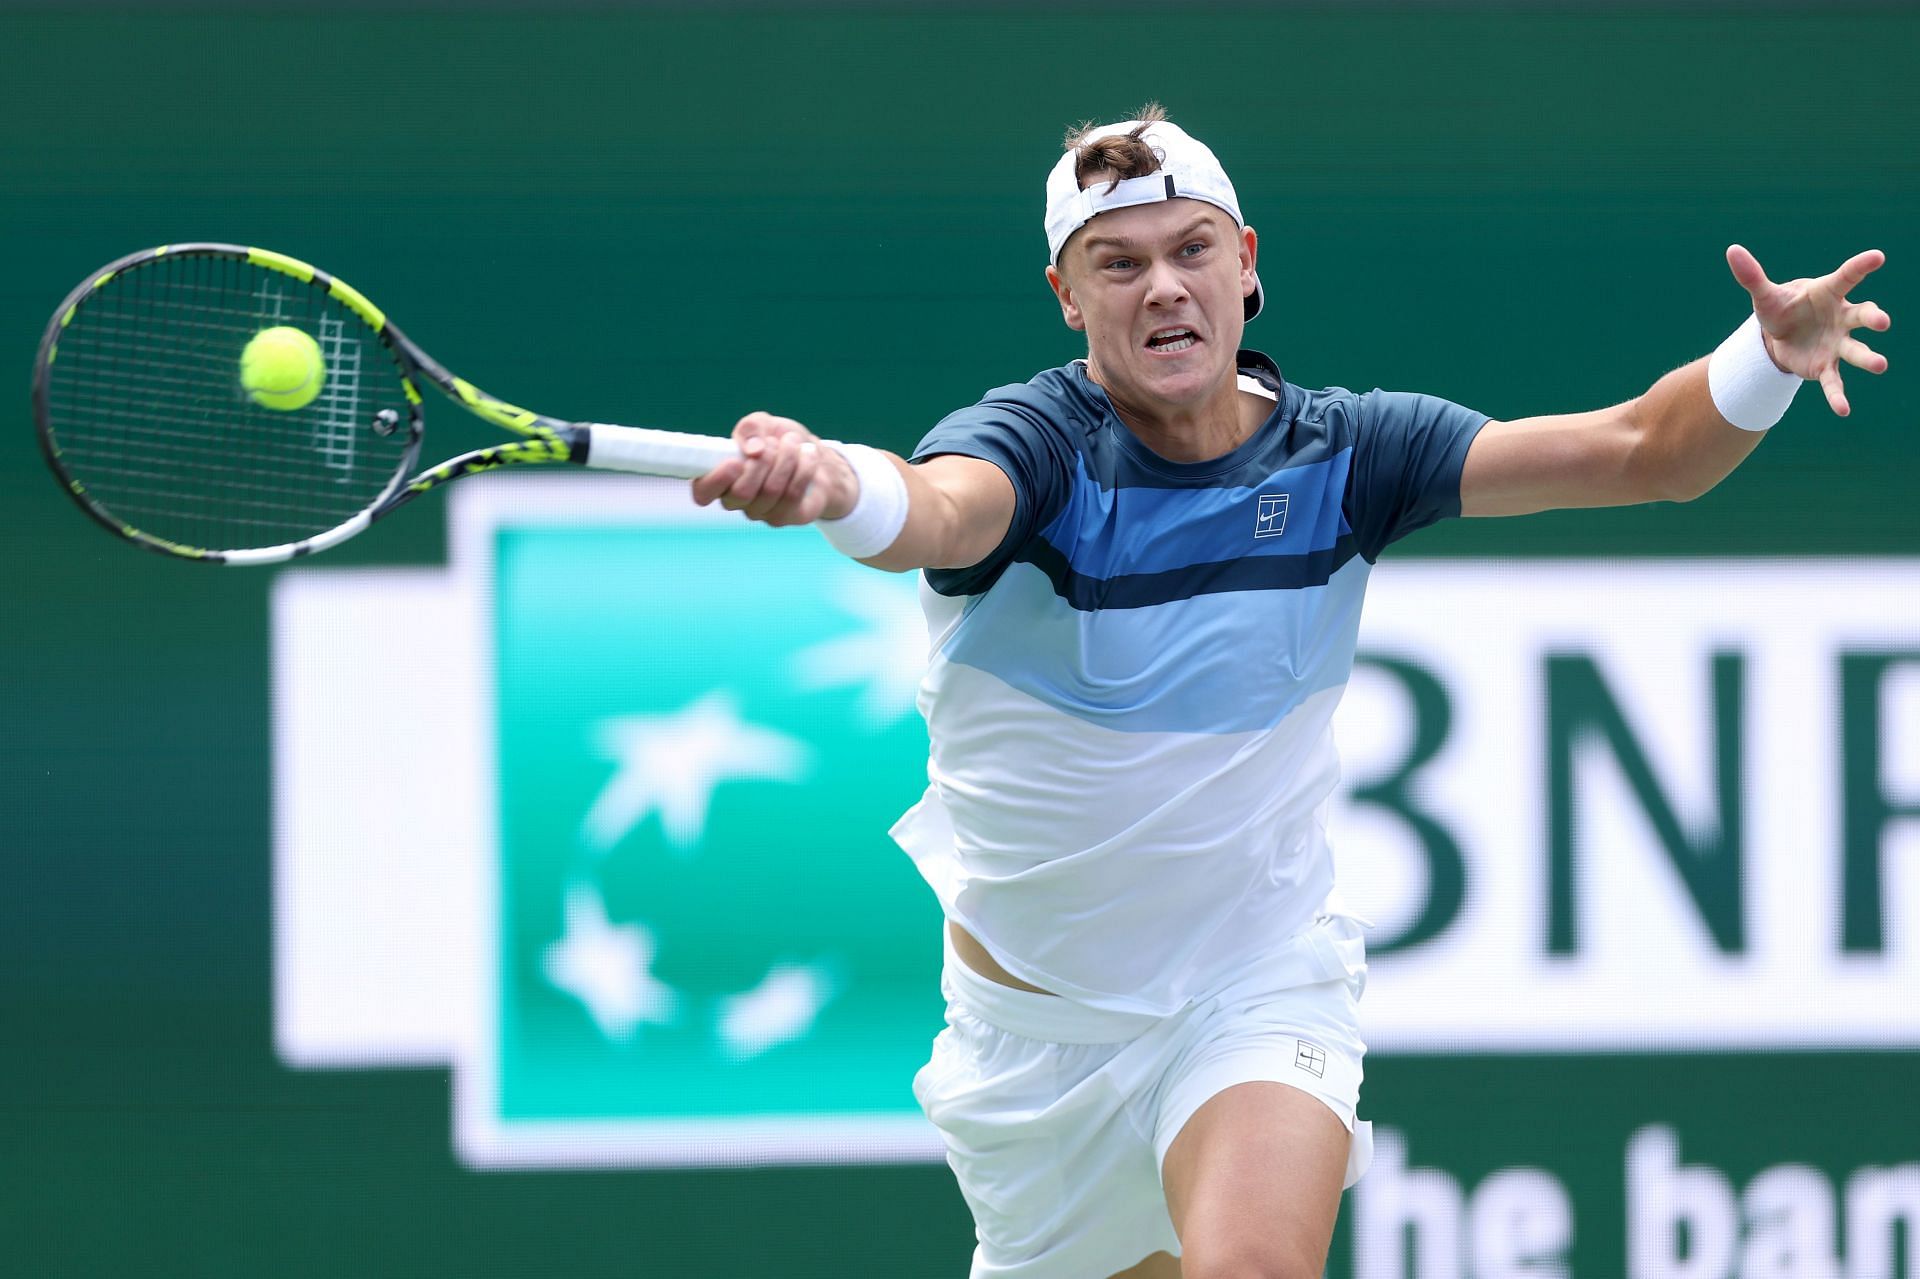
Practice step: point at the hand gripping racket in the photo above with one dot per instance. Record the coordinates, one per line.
(156, 404)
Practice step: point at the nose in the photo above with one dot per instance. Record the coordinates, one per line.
(1165, 285)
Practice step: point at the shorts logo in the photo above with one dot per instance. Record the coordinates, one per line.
(1310, 1059)
(1270, 516)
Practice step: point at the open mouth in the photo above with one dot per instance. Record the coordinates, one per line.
(1171, 340)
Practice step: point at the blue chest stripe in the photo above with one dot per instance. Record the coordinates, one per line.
(1141, 590)
(1110, 527)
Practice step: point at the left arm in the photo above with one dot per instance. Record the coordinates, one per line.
(1672, 443)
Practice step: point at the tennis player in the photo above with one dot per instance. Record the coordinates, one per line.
(1142, 577)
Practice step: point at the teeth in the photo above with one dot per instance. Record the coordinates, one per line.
(1178, 344)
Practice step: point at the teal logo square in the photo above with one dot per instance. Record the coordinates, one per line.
(704, 730)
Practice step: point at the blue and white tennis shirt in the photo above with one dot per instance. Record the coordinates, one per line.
(1129, 699)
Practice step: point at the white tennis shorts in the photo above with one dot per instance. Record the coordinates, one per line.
(1057, 1117)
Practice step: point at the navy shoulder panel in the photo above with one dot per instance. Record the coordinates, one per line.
(1032, 431)
(1409, 451)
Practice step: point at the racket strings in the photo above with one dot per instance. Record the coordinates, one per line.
(146, 407)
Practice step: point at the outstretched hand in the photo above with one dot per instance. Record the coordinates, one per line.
(1808, 324)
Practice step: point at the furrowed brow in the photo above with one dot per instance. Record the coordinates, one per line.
(1124, 244)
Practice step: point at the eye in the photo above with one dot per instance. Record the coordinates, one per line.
(1120, 264)
(1194, 250)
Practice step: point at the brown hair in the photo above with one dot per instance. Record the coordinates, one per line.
(1124, 155)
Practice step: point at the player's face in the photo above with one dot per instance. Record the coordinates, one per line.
(1159, 290)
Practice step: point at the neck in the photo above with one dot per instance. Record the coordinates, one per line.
(1213, 428)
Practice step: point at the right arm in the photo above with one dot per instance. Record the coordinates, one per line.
(958, 508)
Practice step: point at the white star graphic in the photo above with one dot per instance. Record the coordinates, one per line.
(886, 657)
(781, 1008)
(673, 763)
(608, 967)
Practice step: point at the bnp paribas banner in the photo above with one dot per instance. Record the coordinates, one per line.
(1640, 841)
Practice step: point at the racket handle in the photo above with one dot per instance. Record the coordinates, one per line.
(649, 452)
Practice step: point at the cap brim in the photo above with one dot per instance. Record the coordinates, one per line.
(1256, 299)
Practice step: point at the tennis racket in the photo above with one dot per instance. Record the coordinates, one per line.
(145, 419)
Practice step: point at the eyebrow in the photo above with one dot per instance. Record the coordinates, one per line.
(1121, 242)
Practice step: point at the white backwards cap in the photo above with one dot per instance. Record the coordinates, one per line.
(1188, 171)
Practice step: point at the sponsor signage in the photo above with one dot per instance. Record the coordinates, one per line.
(620, 858)
(1668, 1166)
(623, 860)
(1623, 805)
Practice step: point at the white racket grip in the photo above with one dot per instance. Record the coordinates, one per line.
(648, 452)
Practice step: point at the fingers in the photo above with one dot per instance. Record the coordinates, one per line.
(1857, 268)
(1836, 392)
(774, 478)
(1746, 270)
(710, 486)
(753, 475)
(1862, 356)
(788, 474)
(1868, 315)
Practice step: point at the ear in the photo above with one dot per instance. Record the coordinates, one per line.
(1249, 252)
(1069, 309)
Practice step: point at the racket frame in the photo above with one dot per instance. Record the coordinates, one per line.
(545, 439)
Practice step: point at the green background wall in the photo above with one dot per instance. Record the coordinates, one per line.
(673, 219)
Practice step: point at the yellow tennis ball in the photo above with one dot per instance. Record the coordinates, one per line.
(282, 369)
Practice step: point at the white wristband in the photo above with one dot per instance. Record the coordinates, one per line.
(1748, 388)
(880, 510)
